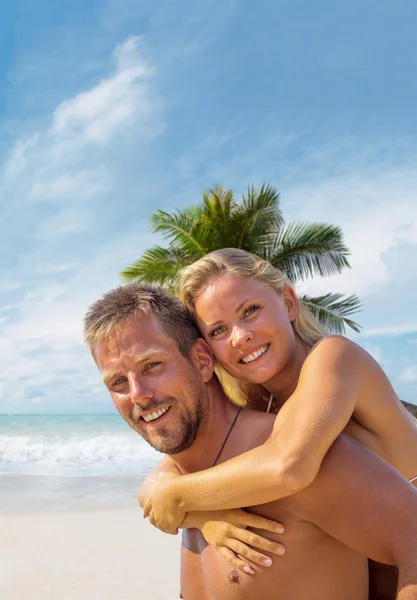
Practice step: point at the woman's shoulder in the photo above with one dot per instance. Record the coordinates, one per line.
(332, 349)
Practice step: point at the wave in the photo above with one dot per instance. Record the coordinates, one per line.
(75, 455)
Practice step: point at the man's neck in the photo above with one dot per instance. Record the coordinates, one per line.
(214, 428)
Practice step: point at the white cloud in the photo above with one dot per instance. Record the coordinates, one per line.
(78, 185)
(9, 286)
(55, 268)
(55, 176)
(377, 213)
(67, 161)
(66, 221)
(37, 400)
(393, 330)
(409, 374)
(97, 115)
(43, 346)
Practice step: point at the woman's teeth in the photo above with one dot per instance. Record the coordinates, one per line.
(251, 357)
(155, 415)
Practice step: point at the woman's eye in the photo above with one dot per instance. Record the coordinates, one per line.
(217, 331)
(251, 309)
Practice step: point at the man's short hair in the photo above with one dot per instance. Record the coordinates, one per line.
(125, 303)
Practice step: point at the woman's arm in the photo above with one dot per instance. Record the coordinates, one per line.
(226, 531)
(304, 430)
(148, 486)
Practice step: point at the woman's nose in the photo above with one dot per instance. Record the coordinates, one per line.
(240, 337)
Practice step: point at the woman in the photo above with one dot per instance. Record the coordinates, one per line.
(271, 351)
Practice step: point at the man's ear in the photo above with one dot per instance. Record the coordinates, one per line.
(203, 359)
(291, 302)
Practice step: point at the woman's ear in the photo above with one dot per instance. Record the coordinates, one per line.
(291, 302)
(203, 359)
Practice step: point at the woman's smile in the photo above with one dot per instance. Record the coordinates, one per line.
(254, 355)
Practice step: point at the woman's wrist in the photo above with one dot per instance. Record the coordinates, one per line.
(179, 494)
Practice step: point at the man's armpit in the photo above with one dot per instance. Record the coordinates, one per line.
(361, 501)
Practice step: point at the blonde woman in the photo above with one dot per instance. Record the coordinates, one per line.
(273, 354)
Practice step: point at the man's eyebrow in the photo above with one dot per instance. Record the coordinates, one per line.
(107, 378)
(237, 310)
(148, 355)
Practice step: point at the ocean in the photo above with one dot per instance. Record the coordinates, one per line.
(65, 462)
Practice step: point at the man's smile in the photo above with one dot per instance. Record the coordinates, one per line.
(155, 415)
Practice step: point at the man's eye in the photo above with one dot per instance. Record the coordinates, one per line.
(217, 331)
(119, 381)
(251, 309)
(151, 365)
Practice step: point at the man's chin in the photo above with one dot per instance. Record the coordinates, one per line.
(171, 440)
(163, 443)
(171, 446)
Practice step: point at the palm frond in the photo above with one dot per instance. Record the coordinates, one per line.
(180, 228)
(302, 250)
(217, 219)
(332, 311)
(258, 215)
(158, 266)
(254, 224)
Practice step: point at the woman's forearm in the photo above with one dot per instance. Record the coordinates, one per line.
(255, 477)
(147, 487)
(196, 519)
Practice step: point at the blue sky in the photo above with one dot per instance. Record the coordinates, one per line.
(111, 109)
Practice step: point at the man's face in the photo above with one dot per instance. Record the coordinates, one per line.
(158, 392)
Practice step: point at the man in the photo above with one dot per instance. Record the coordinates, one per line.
(160, 375)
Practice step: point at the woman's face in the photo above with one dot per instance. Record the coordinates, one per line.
(248, 326)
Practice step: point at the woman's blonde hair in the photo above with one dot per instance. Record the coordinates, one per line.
(239, 263)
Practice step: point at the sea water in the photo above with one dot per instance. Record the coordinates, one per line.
(61, 462)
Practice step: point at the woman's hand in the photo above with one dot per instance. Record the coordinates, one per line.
(163, 507)
(227, 531)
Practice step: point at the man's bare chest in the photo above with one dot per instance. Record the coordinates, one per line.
(206, 575)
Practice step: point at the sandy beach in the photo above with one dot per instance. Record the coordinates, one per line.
(87, 555)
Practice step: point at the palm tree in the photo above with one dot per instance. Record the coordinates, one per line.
(255, 224)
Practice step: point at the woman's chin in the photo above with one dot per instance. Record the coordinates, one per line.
(260, 375)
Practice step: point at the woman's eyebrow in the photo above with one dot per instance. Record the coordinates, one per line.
(241, 305)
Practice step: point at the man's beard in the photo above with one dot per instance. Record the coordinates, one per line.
(188, 427)
(187, 432)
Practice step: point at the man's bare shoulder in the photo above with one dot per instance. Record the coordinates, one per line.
(348, 465)
(360, 500)
(259, 424)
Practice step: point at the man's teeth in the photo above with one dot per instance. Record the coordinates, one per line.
(255, 354)
(155, 415)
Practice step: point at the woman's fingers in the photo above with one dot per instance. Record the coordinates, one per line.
(153, 521)
(257, 541)
(147, 507)
(235, 561)
(249, 553)
(257, 522)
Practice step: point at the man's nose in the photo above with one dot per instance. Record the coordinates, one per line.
(140, 392)
(240, 337)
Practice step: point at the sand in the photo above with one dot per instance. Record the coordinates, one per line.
(90, 555)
